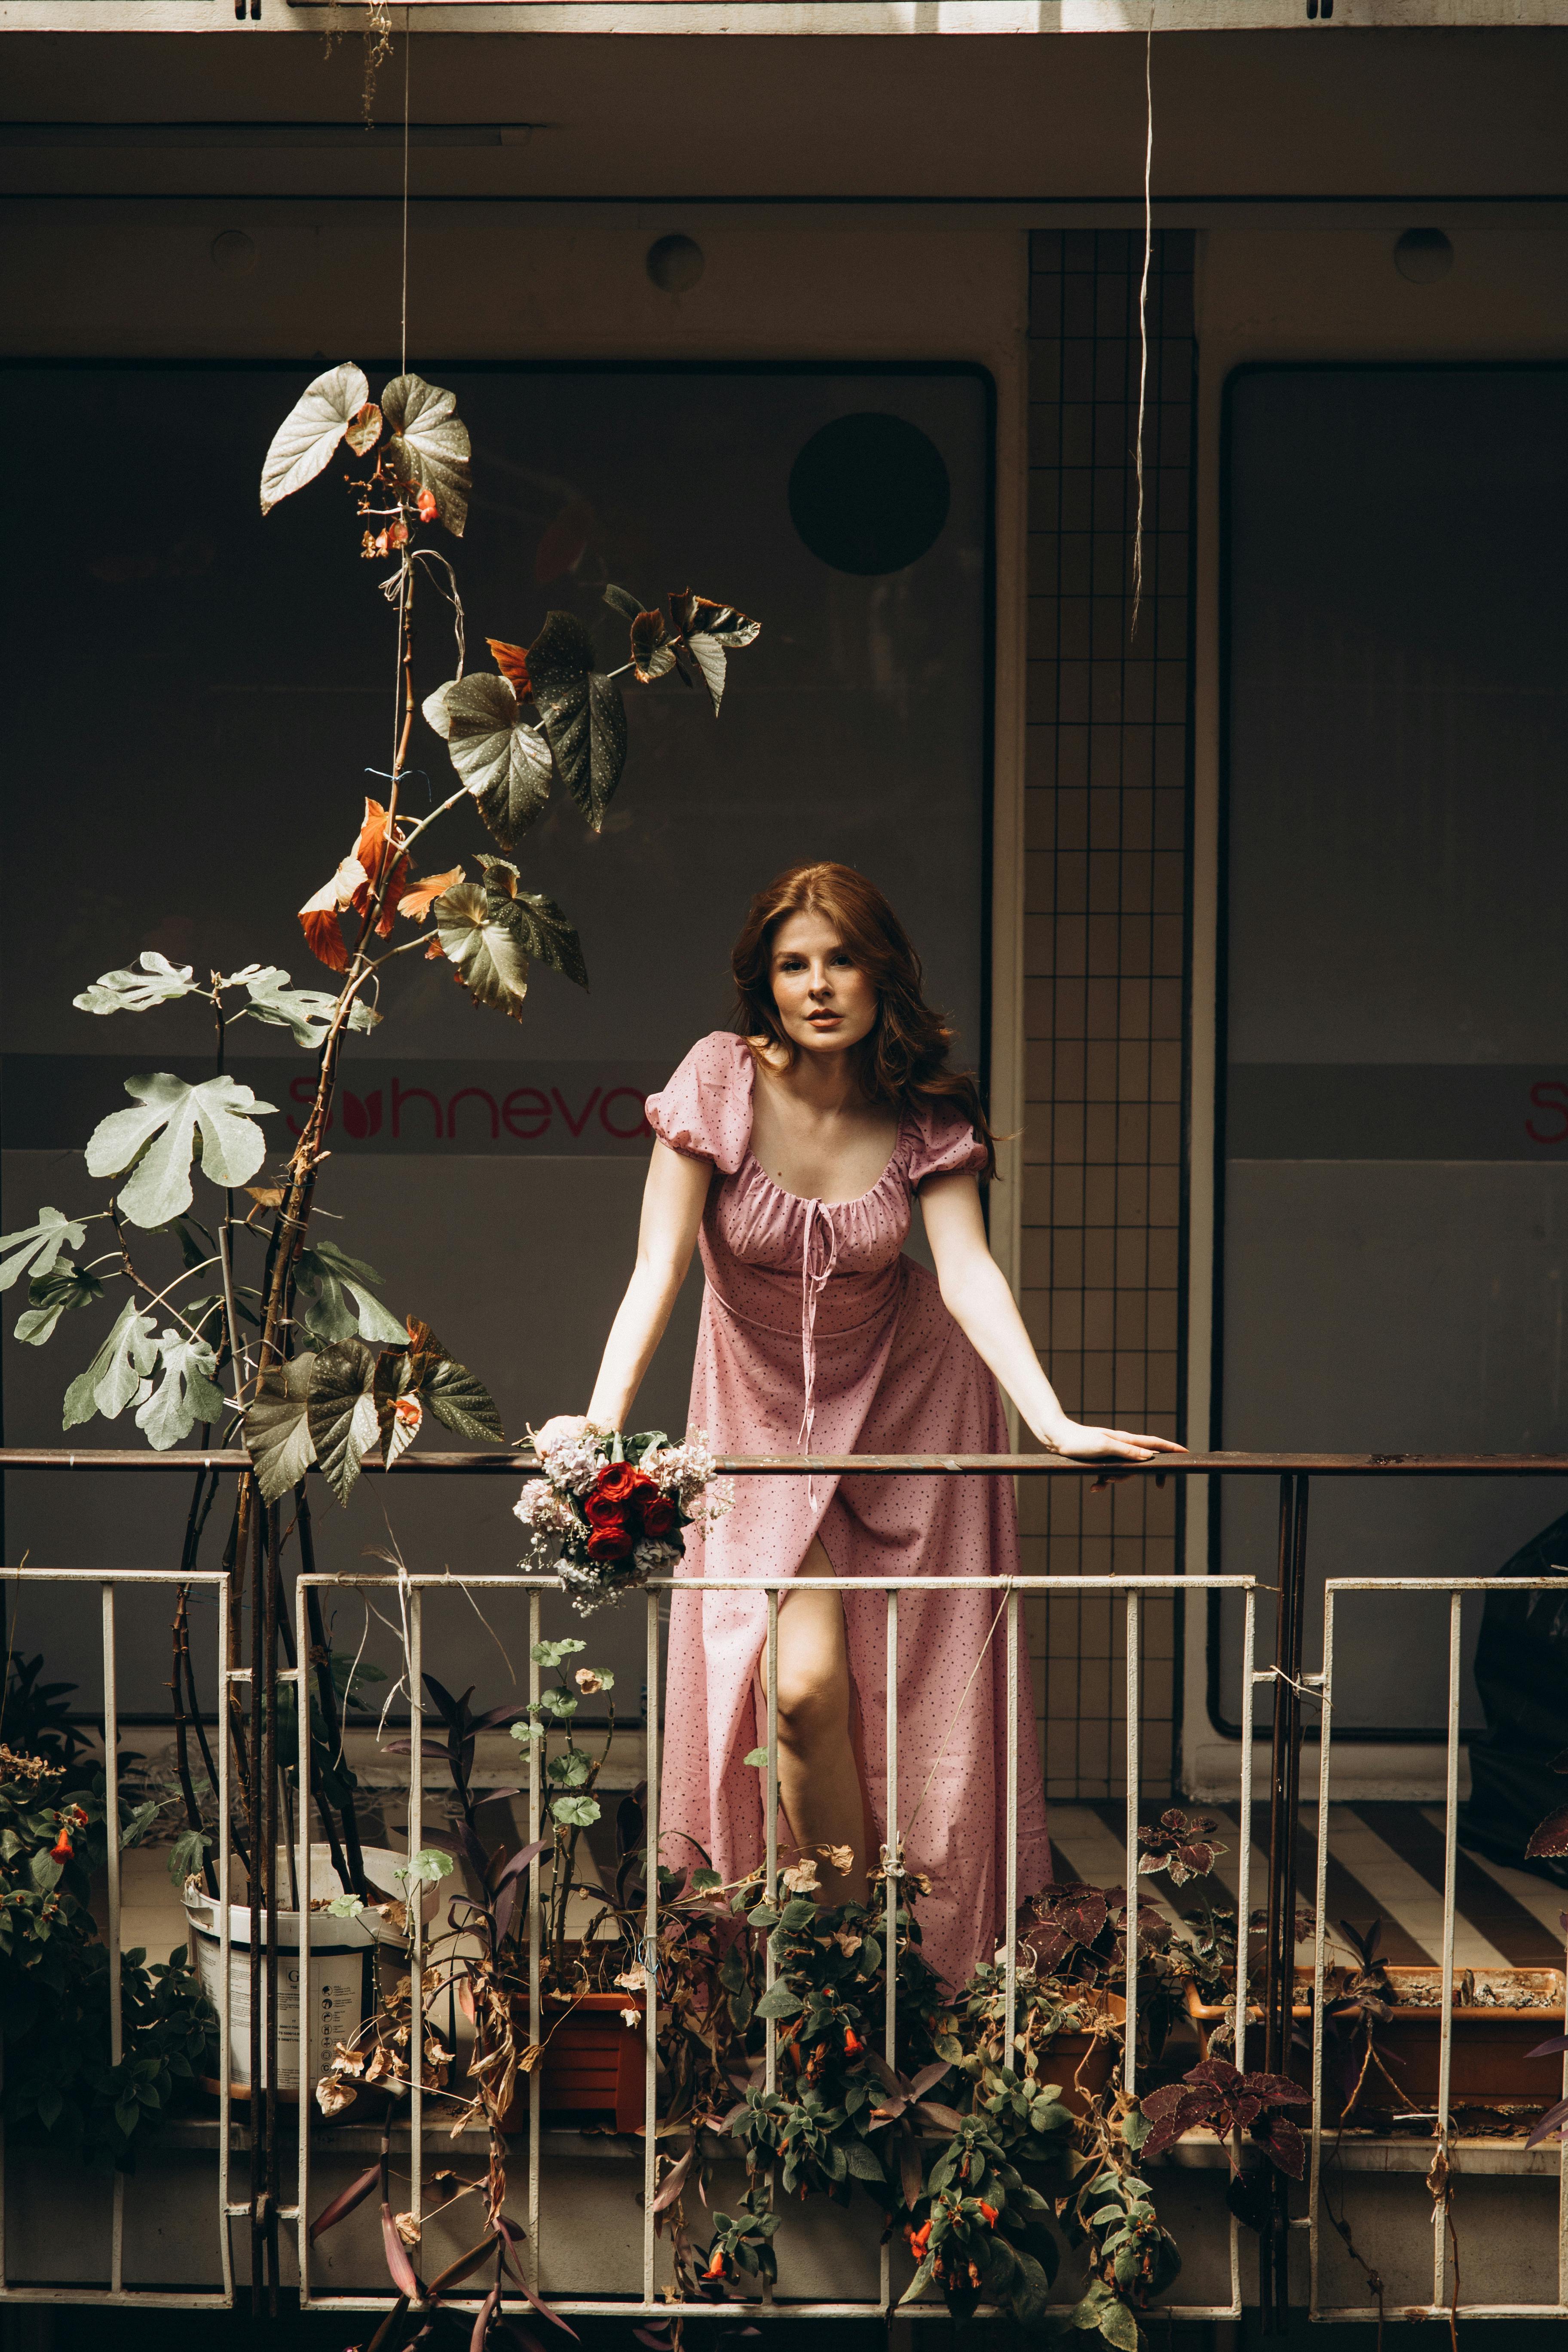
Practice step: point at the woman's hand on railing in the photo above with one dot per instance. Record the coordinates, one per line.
(1081, 1443)
(1077, 1443)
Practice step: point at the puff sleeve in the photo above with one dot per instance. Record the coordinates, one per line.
(941, 1143)
(705, 1111)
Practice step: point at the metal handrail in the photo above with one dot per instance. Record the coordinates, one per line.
(861, 1465)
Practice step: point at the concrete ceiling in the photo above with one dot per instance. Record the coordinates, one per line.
(1373, 114)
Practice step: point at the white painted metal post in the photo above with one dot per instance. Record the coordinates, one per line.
(536, 1748)
(892, 1886)
(224, 1956)
(650, 1954)
(301, 1678)
(1319, 1912)
(1133, 1625)
(116, 1972)
(1244, 1855)
(771, 1832)
(1010, 1958)
(414, 1892)
(1446, 2023)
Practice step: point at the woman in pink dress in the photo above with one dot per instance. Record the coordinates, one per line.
(791, 1148)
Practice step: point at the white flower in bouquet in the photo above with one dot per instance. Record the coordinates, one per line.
(544, 1509)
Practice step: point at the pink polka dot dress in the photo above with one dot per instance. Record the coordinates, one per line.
(814, 1318)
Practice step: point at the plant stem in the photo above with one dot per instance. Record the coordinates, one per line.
(350, 1866)
(182, 1751)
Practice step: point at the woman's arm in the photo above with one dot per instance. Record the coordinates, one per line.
(672, 1206)
(978, 1298)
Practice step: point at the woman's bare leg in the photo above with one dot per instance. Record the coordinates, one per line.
(819, 1779)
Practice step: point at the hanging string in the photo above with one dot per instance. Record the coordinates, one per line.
(1144, 312)
(407, 58)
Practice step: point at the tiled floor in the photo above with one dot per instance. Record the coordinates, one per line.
(1385, 1862)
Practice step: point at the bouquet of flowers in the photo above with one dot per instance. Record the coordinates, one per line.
(611, 1511)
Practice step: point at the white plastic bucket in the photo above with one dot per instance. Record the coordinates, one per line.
(342, 1967)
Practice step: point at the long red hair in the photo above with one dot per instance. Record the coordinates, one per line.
(903, 1057)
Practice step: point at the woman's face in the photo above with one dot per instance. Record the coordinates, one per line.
(824, 1001)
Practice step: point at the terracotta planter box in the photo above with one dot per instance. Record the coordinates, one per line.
(1489, 2066)
(595, 2064)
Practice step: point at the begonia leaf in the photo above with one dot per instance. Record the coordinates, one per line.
(584, 716)
(429, 445)
(504, 762)
(341, 1411)
(311, 431)
(277, 1430)
(482, 948)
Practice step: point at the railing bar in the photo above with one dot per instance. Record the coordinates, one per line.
(892, 1888)
(1174, 1582)
(1445, 2024)
(1133, 1628)
(1562, 2168)
(650, 1956)
(116, 1971)
(1244, 1857)
(225, 1954)
(771, 1833)
(1319, 1954)
(438, 1462)
(302, 1870)
(1243, 1887)
(1010, 2000)
(536, 1752)
(414, 1900)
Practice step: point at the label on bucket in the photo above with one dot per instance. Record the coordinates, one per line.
(337, 2005)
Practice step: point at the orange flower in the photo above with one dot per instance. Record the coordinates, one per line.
(715, 2269)
(61, 1849)
(918, 2241)
(852, 2045)
(989, 2211)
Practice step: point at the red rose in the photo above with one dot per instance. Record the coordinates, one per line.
(605, 1511)
(610, 1541)
(658, 1515)
(618, 1482)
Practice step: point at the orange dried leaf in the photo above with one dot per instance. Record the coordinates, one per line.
(512, 663)
(417, 903)
(364, 431)
(380, 856)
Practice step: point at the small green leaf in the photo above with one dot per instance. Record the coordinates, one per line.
(782, 2002)
(330, 1277)
(757, 1755)
(187, 1855)
(704, 1882)
(576, 1813)
(551, 1654)
(344, 1906)
(429, 1866)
